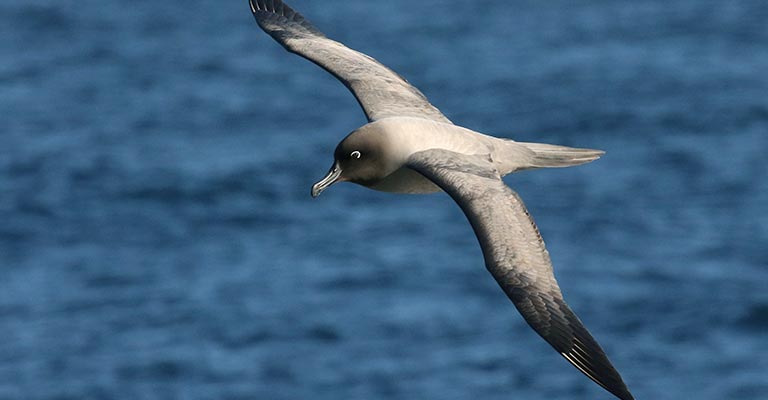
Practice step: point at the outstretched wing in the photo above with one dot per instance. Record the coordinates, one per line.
(515, 255)
(380, 91)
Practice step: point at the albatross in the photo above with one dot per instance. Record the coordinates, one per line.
(409, 146)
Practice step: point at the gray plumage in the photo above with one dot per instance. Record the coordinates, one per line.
(515, 255)
(409, 146)
(380, 91)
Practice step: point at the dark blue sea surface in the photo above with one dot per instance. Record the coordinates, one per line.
(158, 240)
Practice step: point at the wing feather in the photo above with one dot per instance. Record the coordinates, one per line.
(516, 257)
(381, 92)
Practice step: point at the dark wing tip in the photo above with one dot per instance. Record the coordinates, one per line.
(550, 317)
(587, 356)
(604, 375)
(277, 18)
(272, 6)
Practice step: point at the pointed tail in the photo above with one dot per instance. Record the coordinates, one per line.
(553, 156)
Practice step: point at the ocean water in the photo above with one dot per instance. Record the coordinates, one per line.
(158, 240)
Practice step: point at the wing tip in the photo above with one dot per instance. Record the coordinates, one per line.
(274, 6)
(271, 7)
(610, 381)
(276, 17)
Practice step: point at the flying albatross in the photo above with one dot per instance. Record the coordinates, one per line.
(409, 146)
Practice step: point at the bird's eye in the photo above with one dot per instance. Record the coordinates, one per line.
(355, 154)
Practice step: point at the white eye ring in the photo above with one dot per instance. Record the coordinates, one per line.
(355, 154)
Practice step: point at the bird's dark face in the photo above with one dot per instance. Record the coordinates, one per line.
(360, 158)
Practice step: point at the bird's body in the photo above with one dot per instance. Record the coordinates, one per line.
(409, 146)
(405, 136)
(409, 135)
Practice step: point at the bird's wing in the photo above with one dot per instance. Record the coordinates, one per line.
(380, 91)
(515, 255)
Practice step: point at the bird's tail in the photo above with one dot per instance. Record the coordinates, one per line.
(553, 156)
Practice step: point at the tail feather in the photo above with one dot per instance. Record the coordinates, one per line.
(553, 156)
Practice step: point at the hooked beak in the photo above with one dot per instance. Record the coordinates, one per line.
(333, 176)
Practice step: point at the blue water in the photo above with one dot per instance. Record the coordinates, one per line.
(158, 240)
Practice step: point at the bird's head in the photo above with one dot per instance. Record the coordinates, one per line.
(364, 157)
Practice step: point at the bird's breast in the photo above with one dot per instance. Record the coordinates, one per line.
(405, 180)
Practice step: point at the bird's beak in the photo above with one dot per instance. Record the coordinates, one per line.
(333, 176)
